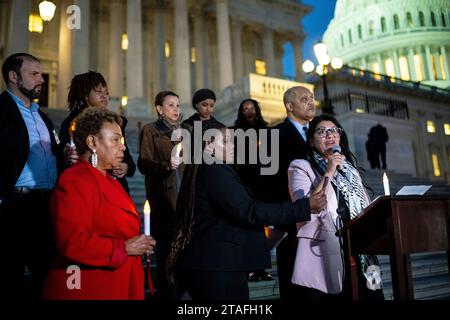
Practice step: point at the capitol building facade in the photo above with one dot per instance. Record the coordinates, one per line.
(144, 46)
(406, 39)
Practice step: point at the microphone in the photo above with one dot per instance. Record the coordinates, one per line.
(337, 149)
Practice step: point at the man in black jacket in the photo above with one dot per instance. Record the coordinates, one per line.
(28, 173)
(300, 109)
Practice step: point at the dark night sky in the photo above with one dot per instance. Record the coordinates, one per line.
(315, 25)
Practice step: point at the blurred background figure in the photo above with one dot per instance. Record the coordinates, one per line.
(250, 118)
(378, 137)
(203, 102)
(97, 226)
(90, 90)
(163, 175)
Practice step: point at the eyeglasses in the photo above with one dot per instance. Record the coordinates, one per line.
(335, 131)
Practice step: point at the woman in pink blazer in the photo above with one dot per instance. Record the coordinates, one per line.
(320, 270)
(97, 227)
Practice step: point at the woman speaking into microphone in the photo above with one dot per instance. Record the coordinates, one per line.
(320, 270)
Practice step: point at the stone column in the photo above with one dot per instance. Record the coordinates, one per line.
(238, 59)
(411, 65)
(160, 43)
(430, 72)
(199, 26)
(80, 40)
(364, 63)
(224, 44)
(135, 59)
(381, 64)
(18, 39)
(396, 63)
(269, 54)
(444, 57)
(182, 52)
(116, 54)
(297, 42)
(64, 57)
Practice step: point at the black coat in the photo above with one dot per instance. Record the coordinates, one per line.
(228, 233)
(64, 136)
(15, 143)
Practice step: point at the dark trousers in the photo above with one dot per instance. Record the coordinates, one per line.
(26, 240)
(377, 153)
(215, 285)
(286, 252)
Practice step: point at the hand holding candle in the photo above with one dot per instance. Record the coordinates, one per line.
(175, 159)
(146, 218)
(387, 192)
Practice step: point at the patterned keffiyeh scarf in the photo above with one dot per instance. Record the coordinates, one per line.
(350, 185)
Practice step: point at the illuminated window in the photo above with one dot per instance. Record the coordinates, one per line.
(433, 19)
(350, 36)
(421, 19)
(418, 65)
(125, 42)
(431, 128)
(409, 20)
(396, 22)
(359, 32)
(390, 69)
(441, 63)
(35, 23)
(167, 49)
(436, 169)
(404, 70)
(376, 69)
(360, 110)
(371, 27)
(260, 67)
(193, 55)
(447, 129)
(383, 24)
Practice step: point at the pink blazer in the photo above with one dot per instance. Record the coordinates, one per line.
(319, 259)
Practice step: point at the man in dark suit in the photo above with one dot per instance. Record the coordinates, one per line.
(28, 172)
(300, 109)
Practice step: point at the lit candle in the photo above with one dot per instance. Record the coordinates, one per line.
(146, 218)
(179, 147)
(71, 131)
(387, 192)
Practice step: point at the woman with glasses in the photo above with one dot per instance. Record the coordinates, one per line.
(320, 270)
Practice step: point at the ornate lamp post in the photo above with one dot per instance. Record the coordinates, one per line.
(325, 64)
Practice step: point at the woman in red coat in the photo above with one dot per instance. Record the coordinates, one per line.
(97, 226)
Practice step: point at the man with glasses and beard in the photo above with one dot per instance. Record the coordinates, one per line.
(28, 172)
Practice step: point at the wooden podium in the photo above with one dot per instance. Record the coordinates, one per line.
(398, 226)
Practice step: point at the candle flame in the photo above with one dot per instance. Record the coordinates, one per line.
(267, 231)
(73, 127)
(146, 207)
(122, 140)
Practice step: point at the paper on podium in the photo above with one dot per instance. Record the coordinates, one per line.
(275, 237)
(410, 190)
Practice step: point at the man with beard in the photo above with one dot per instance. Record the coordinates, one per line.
(28, 172)
(300, 109)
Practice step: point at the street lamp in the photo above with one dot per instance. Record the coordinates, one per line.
(325, 65)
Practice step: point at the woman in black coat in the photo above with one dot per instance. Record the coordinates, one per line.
(219, 235)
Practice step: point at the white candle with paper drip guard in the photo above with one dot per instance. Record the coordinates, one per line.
(387, 191)
(179, 149)
(146, 218)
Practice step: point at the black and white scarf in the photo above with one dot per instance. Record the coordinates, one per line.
(350, 185)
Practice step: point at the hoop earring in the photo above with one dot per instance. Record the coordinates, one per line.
(94, 158)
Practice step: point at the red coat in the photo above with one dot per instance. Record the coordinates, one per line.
(93, 217)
